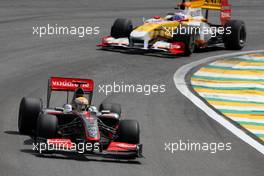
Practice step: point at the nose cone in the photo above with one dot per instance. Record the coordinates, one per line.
(139, 35)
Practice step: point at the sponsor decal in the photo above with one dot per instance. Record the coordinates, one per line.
(71, 84)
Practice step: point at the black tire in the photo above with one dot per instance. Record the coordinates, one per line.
(236, 40)
(112, 107)
(121, 28)
(129, 131)
(28, 114)
(47, 126)
(189, 42)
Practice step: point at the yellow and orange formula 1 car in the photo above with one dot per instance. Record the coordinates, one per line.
(180, 32)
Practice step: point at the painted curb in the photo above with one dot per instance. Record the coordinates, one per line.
(181, 85)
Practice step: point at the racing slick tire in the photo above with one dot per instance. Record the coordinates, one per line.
(189, 42)
(129, 132)
(112, 107)
(121, 28)
(47, 126)
(236, 40)
(29, 110)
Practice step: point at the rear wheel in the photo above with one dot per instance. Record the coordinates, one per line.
(28, 113)
(47, 126)
(236, 38)
(121, 28)
(129, 131)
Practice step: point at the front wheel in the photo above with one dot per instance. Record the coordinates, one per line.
(129, 132)
(47, 126)
(121, 28)
(28, 113)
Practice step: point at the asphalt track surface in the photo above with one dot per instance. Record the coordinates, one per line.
(26, 62)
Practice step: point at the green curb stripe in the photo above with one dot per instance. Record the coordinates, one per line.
(246, 60)
(232, 101)
(230, 68)
(250, 123)
(259, 135)
(229, 88)
(227, 79)
(242, 112)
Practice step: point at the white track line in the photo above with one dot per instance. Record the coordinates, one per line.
(179, 80)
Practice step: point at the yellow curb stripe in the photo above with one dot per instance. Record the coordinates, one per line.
(256, 55)
(246, 116)
(240, 63)
(237, 92)
(223, 103)
(226, 81)
(253, 127)
(232, 72)
(227, 61)
(250, 64)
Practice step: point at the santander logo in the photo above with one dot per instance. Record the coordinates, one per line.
(71, 83)
(68, 84)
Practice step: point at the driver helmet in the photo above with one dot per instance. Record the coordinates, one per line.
(178, 16)
(80, 104)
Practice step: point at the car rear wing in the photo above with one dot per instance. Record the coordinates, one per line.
(221, 5)
(213, 4)
(69, 85)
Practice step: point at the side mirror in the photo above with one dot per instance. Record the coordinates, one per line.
(105, 111)
(67, 108)
(59, 109)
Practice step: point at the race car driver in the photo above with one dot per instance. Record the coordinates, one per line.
(80, 104)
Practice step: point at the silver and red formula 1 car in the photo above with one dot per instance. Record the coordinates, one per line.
(83, 129)
(179, 32)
